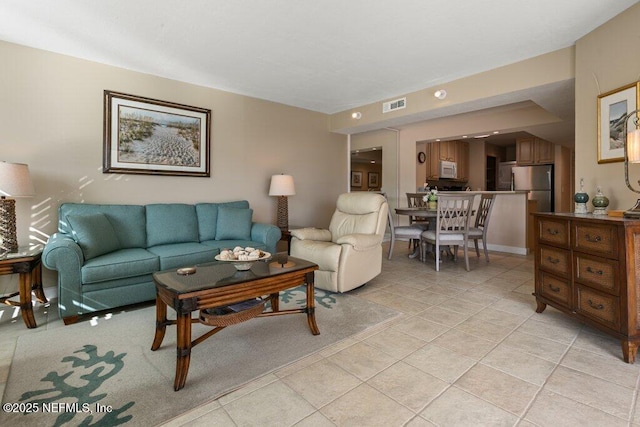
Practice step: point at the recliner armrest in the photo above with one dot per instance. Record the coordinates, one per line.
(317, 234)
(360, 242)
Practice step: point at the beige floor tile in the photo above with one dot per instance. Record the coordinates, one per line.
(552, 409)
(365, 406)
(485, 330)
(456, 407)
(408, 385)
(321, 382)
(503, 390)
(395, 343)
(272, 405)
(600, 394)
(565, 333)
(315, 420)
(540, 347)
(478, 298)
(517, 303)
(461, 306)
(362, 360)
(501, 318)
(592, 340)
(418, 421)
(430, 298)
(465, 344)
(421, 328)
(215, 418)
(443, 316)
(519, 364)
(606, 367)
(395, 301)
(440, 362)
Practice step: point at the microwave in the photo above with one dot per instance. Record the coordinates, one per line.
(448, 169)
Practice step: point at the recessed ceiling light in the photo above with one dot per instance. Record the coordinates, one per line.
(357, 115)
(373, 161)
(440, 94)
(437, 140)
(465, 136)
(486, 135)
(495, 132)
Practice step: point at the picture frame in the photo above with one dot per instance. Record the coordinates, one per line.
(153, 137)
(356, 179)
(612, 107)
(374, 179)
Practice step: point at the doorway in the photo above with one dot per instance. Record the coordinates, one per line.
(366, 169)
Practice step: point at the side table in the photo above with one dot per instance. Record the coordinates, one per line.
(27, 263)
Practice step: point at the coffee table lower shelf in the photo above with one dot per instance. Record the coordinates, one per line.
(172, 291)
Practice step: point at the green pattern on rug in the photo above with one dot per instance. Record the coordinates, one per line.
(84, 402)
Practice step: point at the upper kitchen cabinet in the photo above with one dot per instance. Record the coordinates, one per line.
(533, 151)
(452, 151)
(462, 159)
(447, 150)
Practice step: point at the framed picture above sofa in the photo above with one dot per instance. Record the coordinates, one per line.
(149, 136)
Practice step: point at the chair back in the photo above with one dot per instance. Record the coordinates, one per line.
(361, 212)
(415, 200)
(484, 210)
(454, 213)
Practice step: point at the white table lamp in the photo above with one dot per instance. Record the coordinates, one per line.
(282, 186)
(14, 182)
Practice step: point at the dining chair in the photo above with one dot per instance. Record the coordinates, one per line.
(479, 230)
(415, 200)
(410, 233)
(452, 226)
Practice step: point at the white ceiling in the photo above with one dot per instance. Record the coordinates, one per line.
(322, 55)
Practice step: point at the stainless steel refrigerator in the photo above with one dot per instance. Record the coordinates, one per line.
(538, 180)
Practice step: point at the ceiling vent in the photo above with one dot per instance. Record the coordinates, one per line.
(396, 104)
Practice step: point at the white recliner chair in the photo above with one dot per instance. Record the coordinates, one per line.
(349, 253)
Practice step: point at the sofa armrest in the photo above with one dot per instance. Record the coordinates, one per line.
(268, 234)
(360, 242)
(63, 254)
(317, 234)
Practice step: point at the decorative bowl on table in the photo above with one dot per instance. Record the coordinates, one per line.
(242, 258)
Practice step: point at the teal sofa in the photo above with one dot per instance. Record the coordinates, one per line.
(105, 255)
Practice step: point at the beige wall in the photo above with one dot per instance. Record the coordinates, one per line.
(51, 117)
(606, 59)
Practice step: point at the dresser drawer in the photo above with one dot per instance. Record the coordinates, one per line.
(595, 239)
(554, 232)
(599, 273)
(598, 306)
(554, 288)
(557, 261)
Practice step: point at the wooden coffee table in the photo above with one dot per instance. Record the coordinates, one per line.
(217, 285)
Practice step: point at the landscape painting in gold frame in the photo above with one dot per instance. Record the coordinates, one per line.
(613, 106)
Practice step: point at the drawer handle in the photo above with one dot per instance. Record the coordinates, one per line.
(592, 271)
(552, 232)
(556, 290)
(592, 239)
(596, 306)
(553, 260)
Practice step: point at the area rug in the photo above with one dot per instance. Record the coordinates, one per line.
(104, 373)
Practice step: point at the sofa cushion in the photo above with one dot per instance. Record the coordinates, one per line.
(233, 223)
(120, 264)
(183, 254)
(208, 217)
(128, 221)
(94, 233)
(171, 223)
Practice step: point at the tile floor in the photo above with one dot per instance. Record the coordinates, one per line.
(469, 349)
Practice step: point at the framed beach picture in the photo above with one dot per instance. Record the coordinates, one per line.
(374, 179)
(356, 179)
(613, 107)
(148, 136)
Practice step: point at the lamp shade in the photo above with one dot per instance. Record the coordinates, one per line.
(15, 180)
(633, 146)
(282, 185)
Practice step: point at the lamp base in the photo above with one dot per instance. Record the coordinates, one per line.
(634, 212)
(8, 237)
(283, 213)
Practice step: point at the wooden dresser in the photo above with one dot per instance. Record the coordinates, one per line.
(588, 266)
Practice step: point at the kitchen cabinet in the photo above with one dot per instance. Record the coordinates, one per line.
(447, 150)
(586, 266)
(533, 151)
(433, 160)
(452, 151)
(462, 159)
